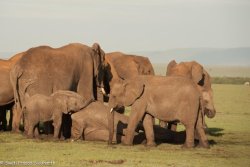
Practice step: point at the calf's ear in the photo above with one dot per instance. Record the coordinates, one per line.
(61, 104)
(133, 91)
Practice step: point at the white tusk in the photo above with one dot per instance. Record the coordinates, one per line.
(111, 110)
(104, 92)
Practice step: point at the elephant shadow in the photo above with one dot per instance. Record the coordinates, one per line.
(163, 135)
(216, 132)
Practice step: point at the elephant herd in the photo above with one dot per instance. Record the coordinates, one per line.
(84, 92)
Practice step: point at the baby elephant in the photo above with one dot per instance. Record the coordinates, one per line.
(46, 108)
(92, 123)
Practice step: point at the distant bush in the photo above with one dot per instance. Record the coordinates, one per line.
(230, 80)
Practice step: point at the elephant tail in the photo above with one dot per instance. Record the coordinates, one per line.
(111, 125)
(16, 85)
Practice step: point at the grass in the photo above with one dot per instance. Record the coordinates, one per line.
(229, 135)
(230, 80)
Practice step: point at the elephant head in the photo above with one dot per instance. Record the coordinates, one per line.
(201, 78)
(68, 101)
(99, 64)
(125, 93)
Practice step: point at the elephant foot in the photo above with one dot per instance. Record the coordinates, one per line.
(203, 144)
(30, 136)
(126, 143)
(151, 144)
(16, 131)
(187, 146)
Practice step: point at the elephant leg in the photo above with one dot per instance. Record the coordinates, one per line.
(30, 130)
(10, 119)
(189, 143)
(172, 126)
(148, 122)
(76, 130)
(3, 120)
(57, 122)
(137, 113)
(203, 141)
(163, 124)
(17, 114)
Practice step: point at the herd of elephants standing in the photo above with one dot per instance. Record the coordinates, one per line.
(83, 91)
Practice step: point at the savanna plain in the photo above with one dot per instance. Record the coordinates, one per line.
(228, 134)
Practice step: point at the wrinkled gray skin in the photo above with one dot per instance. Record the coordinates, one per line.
(200, 77)
(92, 123)
(165, 98)
(41, 108)
(6, 90)
(72, 67)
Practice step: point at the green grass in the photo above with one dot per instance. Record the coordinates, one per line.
(230, 80)
(229, 134)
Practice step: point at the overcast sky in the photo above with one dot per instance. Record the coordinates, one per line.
(128, 26)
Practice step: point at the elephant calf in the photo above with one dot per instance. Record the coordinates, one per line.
(45, 108)
(91, 123)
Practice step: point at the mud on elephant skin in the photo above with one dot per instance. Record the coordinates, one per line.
(73, 67)
(165, 98)
(45, 108)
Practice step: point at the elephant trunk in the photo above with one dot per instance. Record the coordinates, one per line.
(110, 116)
(210, 113)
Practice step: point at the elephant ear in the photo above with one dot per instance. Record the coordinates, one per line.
(125, 68)
(133, 90)
(61, 104)
(98, 61)
(96, 47)
(197, 73)
(171, 64)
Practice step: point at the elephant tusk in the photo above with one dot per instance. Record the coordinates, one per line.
(104, 92)
(111, 110)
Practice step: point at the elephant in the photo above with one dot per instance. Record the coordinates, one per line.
(43, 108)
(165, 98)
(92, 124)
(200, 77)
(121, 66)
(6, 90)
(75, 67)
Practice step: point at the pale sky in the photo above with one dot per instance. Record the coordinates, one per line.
(127, 26)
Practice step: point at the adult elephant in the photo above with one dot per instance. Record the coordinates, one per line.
(124, 66)
(165, 98)
(200, 77)
(92, 123)
(6, 90)
(72, 67)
